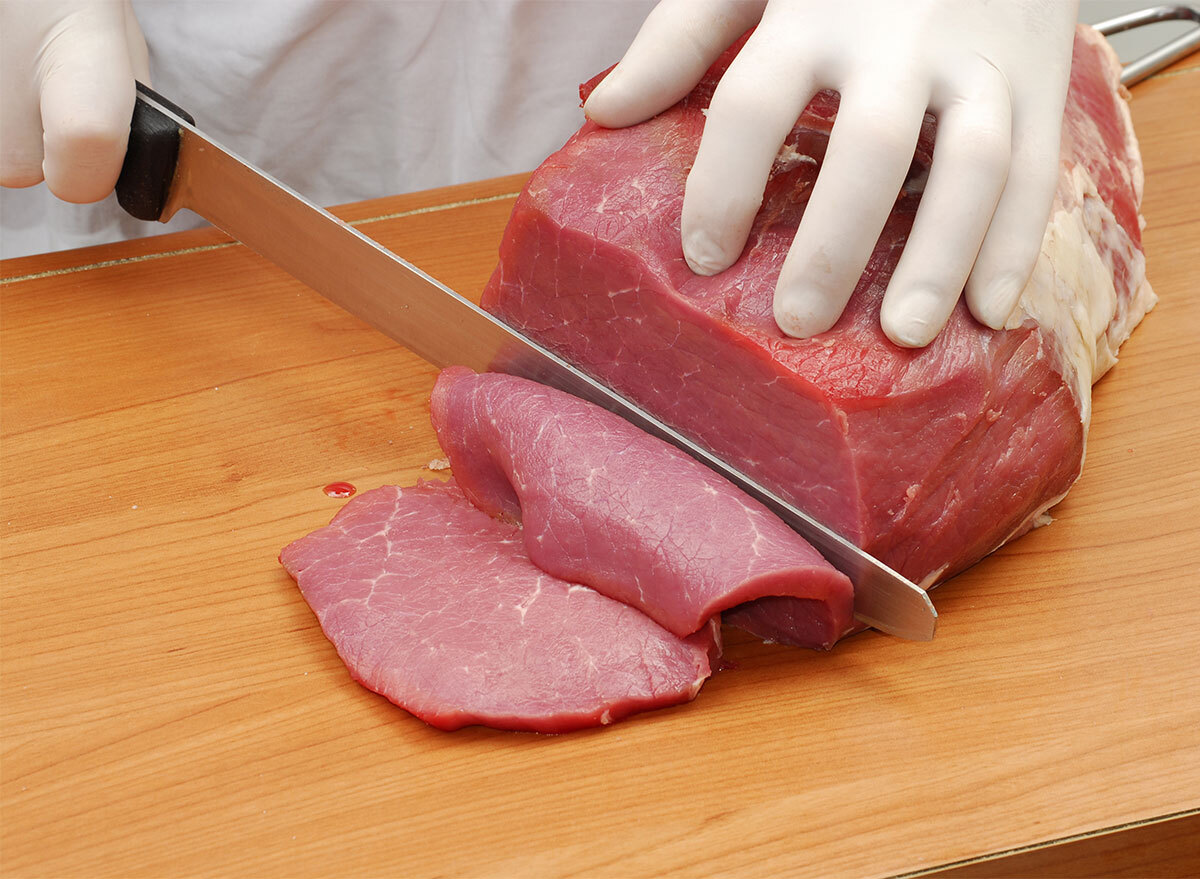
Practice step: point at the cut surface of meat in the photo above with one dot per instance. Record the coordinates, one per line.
(606, 504)
(929, 459)
(435, 605)
(926, 458)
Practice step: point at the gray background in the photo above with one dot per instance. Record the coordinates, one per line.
(1132, 44)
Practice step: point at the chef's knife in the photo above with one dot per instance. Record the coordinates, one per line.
(171, 165)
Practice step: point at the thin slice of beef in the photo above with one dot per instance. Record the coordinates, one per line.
(928, 458)
(436, 605)
(606, 504)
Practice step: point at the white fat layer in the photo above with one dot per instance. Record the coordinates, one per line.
(932, 578)
(789, 157)
(1071, 294)
(1072, 298)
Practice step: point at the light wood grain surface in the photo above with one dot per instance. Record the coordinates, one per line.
(171, 409)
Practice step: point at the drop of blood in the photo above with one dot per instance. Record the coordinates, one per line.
(340, 489)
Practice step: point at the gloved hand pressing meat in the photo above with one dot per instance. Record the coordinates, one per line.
(68, 68)
(993, 72)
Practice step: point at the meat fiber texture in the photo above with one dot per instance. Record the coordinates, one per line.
(436, 606)
(928, 459)
(606, 504)
(609, 599)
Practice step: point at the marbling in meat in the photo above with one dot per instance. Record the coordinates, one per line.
(435, 605)
(929, 459)
(606, 504)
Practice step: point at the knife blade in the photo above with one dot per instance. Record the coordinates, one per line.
(171, 165)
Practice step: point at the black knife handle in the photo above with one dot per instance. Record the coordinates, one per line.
(150, 158)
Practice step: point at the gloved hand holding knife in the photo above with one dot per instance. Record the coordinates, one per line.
(68, 68)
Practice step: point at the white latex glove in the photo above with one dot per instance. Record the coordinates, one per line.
(68, 69)
(993, 72)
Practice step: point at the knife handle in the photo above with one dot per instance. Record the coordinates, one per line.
(150, 158)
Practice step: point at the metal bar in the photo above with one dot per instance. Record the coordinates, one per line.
(1164, 56)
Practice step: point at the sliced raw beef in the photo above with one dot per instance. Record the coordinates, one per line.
(605, 504)
(435, 605)
(928, 459)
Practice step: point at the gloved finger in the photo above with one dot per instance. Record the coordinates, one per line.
(20, 118)
(970, 165)
(87, 97)
(869, 153)
(748, 119)
(1014, 239)
(677, 43)
(135, 42)
(20, 136)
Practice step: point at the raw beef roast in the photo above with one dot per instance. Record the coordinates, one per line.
(435, 605)
(605, 504)
(928, 459)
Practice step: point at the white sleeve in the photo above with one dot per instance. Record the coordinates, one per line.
(352, 99)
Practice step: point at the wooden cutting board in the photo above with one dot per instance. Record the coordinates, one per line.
(171, 409)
